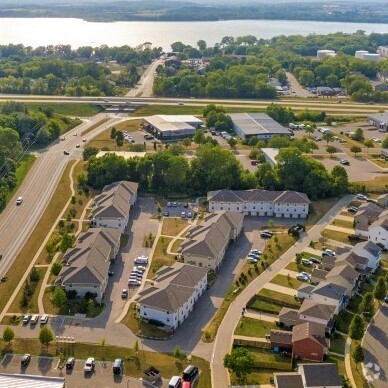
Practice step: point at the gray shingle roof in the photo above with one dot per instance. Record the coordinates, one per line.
(256, 195)
(370, 247)
(345, 271)
(288, 380)
(320, 375)
(316, 310)
(332, 291)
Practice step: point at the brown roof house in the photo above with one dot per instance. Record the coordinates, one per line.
(287, 204)
(111, 208)
(86, 266)
(346, 276)
(173, 295)
(367, 213)
(309, 342)
(206, 244)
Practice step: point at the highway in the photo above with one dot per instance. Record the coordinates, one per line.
(18, 222)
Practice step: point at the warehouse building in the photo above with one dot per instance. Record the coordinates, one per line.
(171, 127)
(379, 121)
(247, 125)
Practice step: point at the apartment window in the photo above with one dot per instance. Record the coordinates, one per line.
(144, 313)
(168, 319)
(167, 312)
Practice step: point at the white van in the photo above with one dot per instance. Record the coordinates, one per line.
(175, 382)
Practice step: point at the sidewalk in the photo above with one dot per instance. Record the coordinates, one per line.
(261, 316)
(282, 289)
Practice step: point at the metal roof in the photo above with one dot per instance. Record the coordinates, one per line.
(28, 381)
(257, 124)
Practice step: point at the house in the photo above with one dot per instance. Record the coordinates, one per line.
(359, 263)
(289, 317)
(206, 244)
(304, 291)
(309, 342)
(328, 262)
(379, 120)
(86, 266)
(320, 313)
(346, 276)
(247, 125)
(111, 208)
(318, 275)
(382, 200)
(287, 204)
(173, 295)
(281, 339)
(371, 252)
(171, 127)
(316, 375)
(367, 213)
(378, 231)
(325, 91)
(383, 51)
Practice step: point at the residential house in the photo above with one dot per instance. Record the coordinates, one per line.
(309, 342)
(346, 276)
(281, 339)
(318, 275)
(367, 213)
(289, 317)
(382, 200)
(173, 295)
(304, 291)
(288, 204)
(371, 252)
(86, 266)
(111, 208)
(206, 244)
(378, 231)
(328, 262)
(316, 375)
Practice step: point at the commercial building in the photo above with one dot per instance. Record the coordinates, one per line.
(125, 154)
(287, 204)
(325, 91)
(371, 57)
(86, 266)
(8, 380)
(111, 208)
(379, 121)
(247, 125)
(172, 296)
(270, 155)
(360, 53)
(325, 53)
(171, 127)
(206, 244)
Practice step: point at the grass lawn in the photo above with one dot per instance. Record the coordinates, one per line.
(283, 280)
(343, 321)
(23, 259)
(32, 307)
(173, 226)
(358, 375)
(377, 185)
(258, 376)
(272, 251)
(177, 244)
(278, 297)
(160, 257)
(267, 355)
(317, 210)
(137, 325)
(94, 126)
(268, 307)
(343, 223)
(294, 267)
(21, 171)
(251, 327)
(337, 344)
(337, 236)
(134, 363)
(380, 162)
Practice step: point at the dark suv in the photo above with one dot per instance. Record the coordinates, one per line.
(25, 360)
(70, 363)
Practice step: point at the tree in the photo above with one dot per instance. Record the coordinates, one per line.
(331, 150)
(34, 275)
(177, 353)
(271, 223)
(186, 142)
(88, 152)
(136, 347)
(240, 361)
(8, 335)
(113, 133)
(59, 297)
(340, 181)
(56, 268)
(119, 138)
(356, 329)
(355, 149)
(359, 134)
(309, 130)
(368, 144)
(67, 242)
(366, 305)
(328, 136)
(358, 354)
(232, 142)
(199, 137)
(380, 289)
(46, 336)
(384, 144)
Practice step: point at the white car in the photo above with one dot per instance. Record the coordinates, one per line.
(252, 260)
(302, 277)
(44, 319)
(361, 196)
(34, 319)
(134, 283)
(255, 252)
(19, 201)
(376, 139)
(77, 145)
(89, 365)
(329, 252)
(139, 268)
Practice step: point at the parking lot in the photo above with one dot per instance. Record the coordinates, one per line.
(101, 377)
(175, 209)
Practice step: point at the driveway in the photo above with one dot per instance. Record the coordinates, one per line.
(375, 344)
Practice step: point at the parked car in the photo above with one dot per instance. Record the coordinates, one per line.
(345, 162)
(266, 234)
(169, 204)
(34, 319)
(329, 252)
(315, 260)
(124, 293)
(254, 162)
(19, 201)
(307, 262)
(140, 268)
(134, 283)
(376, 139)
(371, 200)
(256, 252)
(26, 319)
(89, 365)
(302, 277)
(84, 140)
(254, 256)
(174, 204)
(77, 145)
(191, 374)
(70, 363)
(175, 382)
(352, 209)
(317, 138)
(183, 215)
(25, 359)
(252, 260)
(44, 319)
(361, 196)
(110, 273)
(66, 152)
(118, 366)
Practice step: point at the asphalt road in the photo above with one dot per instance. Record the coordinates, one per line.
(296, 87)
(18, 222)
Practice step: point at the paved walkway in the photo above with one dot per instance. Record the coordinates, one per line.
(223, 342)
(247, 338)
(344, 218)
(179, 237)
(340, 229)
(313, 251)
(287, 272)
(282, 289)
(261, 316)
(348, 366)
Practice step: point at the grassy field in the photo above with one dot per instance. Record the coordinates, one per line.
(266, 355)
(258, 376)
(22, 169)
(337, 236)
(177, 244)
(160, 257)
(279, 297)
(272, 251)
(343, 223)
(262, 305)
(94, 126)
(317, 210)
(254, 327)
(337, 344)
(377, 185)
(380, 162)
(32, 307)
(134, 363)
(284, 281)
(23, 259)
(173, 226)
(294, 267)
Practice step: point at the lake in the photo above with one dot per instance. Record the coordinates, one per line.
(77, 32)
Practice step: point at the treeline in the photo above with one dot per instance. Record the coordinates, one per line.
(59, 70)
(20, 129)
(213, 168)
